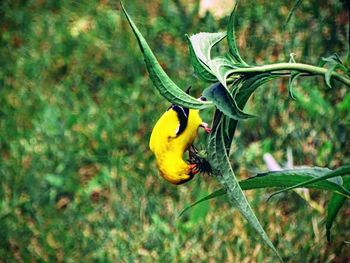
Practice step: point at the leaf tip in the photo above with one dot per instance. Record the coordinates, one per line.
(328, 235)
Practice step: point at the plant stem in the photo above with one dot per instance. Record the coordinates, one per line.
(292, 66)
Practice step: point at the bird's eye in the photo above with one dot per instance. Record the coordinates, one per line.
(202, 98)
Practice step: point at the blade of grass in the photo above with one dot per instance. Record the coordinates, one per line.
(297, 3)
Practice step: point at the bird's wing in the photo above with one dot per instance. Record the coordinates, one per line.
(182, 116)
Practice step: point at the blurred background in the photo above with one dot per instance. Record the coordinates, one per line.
(78, 182)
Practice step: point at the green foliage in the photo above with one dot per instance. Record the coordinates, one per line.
(202, 44)
(223, 100)
(78, 182)
(297, 3)
(232, 41)
(335, 203)
(284, 178)
(222, 170)
(341, 171)
(200, 68)
(334, 63)
(236, 74)
(161, 80)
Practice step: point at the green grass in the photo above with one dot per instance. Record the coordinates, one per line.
(78, 182)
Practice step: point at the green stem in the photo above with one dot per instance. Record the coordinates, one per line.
(292, 66)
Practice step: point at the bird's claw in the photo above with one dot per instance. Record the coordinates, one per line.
(207, 130)
(206, 127)
(194, 169)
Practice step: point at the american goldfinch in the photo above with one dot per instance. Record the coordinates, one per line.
(172, 135)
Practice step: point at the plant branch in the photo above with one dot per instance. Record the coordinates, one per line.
(291, 66)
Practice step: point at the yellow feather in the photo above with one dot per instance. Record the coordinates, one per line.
(169, 148)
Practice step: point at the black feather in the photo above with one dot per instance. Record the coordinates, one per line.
(182, 114)
(201, 162)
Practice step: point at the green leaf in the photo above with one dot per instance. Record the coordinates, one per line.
(200, 68)
(222, 169)
(341, 171)
(217, 193)
(222, 67)
(166, 87)
(242, 89)
(207, 68)
(291, 177)
(284, 178)
(333, 207)
(334, 59)
(231, 38)
(293, 77)
(334, 63)
(199, 213)
(328, 74)
(202, 44)
(223, 100)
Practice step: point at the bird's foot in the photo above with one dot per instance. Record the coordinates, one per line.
(206, 127)
(194, 169)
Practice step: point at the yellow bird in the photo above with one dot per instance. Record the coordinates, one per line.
(172, 135)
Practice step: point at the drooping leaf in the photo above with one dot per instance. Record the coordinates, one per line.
(242, 89)
(166, 87)
(223, 100)
(334, 63)
(328, 74)
(333, 207)
(202, 44)
(231, 124)
(341, 171)
(222, 169)
(250, 83)
(293, 77)
(231, 38)
(200, 68)
(334, 59)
